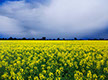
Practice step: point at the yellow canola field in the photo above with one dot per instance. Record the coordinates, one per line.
(53, 60)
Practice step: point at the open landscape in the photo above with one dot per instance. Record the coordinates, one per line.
(53, 60)
(53, 39)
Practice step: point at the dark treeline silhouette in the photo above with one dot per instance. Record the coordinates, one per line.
(44, 38)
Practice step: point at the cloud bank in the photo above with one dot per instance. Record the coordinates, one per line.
(59, 18)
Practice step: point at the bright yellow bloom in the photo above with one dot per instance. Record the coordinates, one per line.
(50, 60)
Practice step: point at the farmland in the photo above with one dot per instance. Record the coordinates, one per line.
(53, 60)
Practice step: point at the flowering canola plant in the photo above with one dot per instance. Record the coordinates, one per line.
(53, 60)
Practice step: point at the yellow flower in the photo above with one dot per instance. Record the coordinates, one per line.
(21, 70)
(102, 77)
(50, 74)
(31, 70)
(89, 74)
(95, 76)
(44, 71)
(48, 67)
(105, 70)
(36, 78)
(58, 78)
(65, 64)
(46, 57)
(58, 72)
(61, 69)
(35, 68)
(5, 75)
(29, 77)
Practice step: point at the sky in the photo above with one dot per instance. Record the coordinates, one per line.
(54, 18)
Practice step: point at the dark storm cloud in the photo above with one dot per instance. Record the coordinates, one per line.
(60, 18)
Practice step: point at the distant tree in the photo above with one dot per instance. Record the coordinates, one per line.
(23, 38)
(101, 39)
(10, 38)
(33, 38)
(15, 38)
(95, 39)
(63, 38)
(43, 38)
(75, 38)
(89, 39)
(58, 38)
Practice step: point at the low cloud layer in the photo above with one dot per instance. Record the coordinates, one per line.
(59, 18)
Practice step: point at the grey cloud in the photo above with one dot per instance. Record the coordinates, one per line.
(61, 18)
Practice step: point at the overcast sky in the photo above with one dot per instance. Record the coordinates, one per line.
(54, 18)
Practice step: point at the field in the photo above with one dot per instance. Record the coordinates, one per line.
(53, 60)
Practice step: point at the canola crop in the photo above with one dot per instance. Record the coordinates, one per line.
(53, 60)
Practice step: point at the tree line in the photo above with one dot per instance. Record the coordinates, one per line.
(44, 38)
